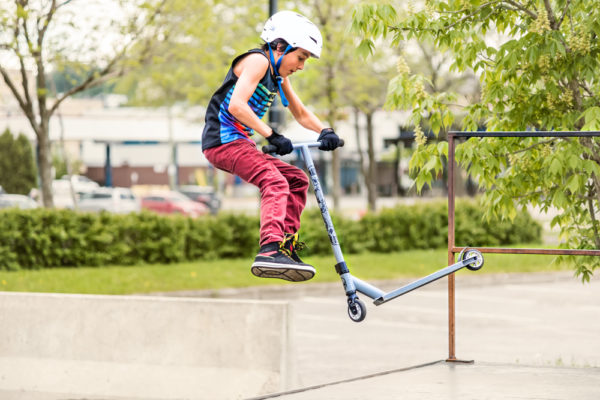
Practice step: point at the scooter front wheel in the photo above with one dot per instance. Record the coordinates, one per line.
(357, 311)
(477, 263)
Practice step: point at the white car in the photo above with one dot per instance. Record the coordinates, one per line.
(81, 184)
(117, 200)
(17, 200)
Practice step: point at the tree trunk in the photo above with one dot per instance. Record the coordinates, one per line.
(336, 192)
(364, 172)
(372, 178)
(45, 163)
(331, 119)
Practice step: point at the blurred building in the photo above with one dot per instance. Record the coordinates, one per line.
(125, 146)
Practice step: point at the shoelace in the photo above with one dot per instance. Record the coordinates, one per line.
(296, 244)
(287, 253)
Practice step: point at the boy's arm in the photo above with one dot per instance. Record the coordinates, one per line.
(303, 115)
(253, 69)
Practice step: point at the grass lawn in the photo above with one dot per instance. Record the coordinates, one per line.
(236, 273)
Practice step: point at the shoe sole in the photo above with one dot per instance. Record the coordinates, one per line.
(273, 270)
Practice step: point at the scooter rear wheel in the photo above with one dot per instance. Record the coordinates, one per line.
(357, 311)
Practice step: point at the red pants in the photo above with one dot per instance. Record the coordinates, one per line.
(283, 187)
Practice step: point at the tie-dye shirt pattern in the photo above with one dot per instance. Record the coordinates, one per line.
(231, 128)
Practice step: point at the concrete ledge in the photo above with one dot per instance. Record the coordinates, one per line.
(144, 347)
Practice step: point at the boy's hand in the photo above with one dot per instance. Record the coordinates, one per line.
(283, 144)
(329, 140)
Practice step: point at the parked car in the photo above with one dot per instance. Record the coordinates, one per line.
(172, 202)
(117, 200)
(17, 200)
(81, 184)
(202, 194)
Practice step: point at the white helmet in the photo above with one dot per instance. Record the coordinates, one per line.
(295, 29)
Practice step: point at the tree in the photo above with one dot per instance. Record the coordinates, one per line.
(190, 59)
(365, 89)
(324, 81)
(37, 35)
(192, 55)
(17, 166)
(70, 76)
(537, 62)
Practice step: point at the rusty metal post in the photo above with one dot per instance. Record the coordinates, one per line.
(451, 304)
(453, 249)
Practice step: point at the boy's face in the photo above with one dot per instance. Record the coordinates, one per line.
(293, 61)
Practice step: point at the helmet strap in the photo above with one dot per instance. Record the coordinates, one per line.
(276, 66)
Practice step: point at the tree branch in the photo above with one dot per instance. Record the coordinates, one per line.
(589, 92)
(26, 107)
(41, 91)
(25, 83)
(49, 16)
(521, 7)
(26, 104)
(93, 79)
(594, 221)
(550, 12)
(13, 89)
(96, 78)
(533, 146)
(526, 195)
(64, 3)
(464, 18)
(564, 14)
(475, 11)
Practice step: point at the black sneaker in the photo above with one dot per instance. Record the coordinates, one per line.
(291, 245)
(272, 262)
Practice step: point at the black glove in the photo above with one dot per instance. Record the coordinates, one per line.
(283, 144)
(329, 140)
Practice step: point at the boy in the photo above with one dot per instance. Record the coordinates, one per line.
(234, 114)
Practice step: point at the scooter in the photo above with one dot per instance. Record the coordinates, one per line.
(470, 258)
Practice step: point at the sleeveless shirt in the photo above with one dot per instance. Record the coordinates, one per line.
(220, 125)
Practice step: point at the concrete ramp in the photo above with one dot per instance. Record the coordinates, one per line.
(86, 346)
(457, 381)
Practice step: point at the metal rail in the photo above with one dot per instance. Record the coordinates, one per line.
(511, 250)
(453, 249)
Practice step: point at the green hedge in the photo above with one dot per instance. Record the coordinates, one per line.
(423, 226)
(41, 238)
(33, 239)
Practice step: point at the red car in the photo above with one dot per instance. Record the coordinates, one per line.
(173, 203)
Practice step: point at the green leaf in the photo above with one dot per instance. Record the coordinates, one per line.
(559, 199)
(430, 164)
(22, 12)
(365, 48)
(592, 119)
(442, 148)
(555, 167)
(574, 184)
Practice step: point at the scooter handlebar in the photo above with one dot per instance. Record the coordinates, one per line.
(271, 149)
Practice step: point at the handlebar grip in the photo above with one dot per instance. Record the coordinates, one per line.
(269, 149)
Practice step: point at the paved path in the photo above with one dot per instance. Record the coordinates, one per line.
(442, 381)
(531, 337)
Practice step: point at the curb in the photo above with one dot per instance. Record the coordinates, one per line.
(330, 289)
